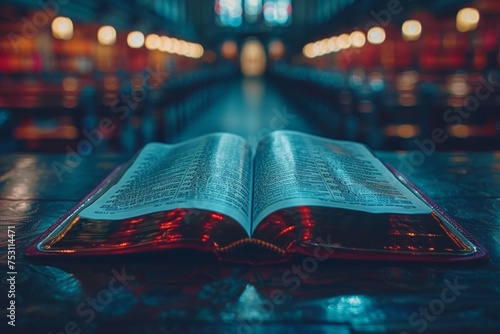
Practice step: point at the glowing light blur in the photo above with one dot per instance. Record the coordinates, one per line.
(376, 35)
(344, 42)
(199, 51)
(153, 42)
(106, 35)
(406, 81)
(412, 30)
(357, 39)
(402, 130)
(252, 10)
(229, 49)
(184, 48)
(460, 131)
(135, 39)
(229, 12)
(176, 46)
(467, 19)
(192, 50)
(165, 44)
(277, 12)
(323, 47)
(253, 58)
(253, 7)
(308, 50)
(276, 49)
(62, 28)
(457, 85)
(70, 84)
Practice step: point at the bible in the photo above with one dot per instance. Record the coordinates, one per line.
(292, 194)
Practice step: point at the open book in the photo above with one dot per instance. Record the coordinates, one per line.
(293, 194)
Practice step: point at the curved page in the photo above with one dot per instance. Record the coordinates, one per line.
(294, 169)
(209, 173)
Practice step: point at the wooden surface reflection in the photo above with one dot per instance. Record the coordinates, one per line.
(185, 291)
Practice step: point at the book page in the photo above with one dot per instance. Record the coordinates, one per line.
(210, 173)
(294, 169)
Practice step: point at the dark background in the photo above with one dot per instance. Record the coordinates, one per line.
(438, 92)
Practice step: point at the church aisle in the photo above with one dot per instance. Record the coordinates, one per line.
(251, 108)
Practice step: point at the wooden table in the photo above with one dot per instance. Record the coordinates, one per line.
(195, 293)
